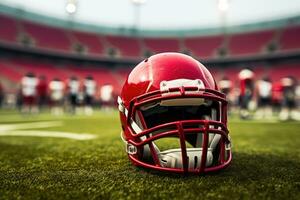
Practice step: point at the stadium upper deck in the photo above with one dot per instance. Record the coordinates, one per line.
(23, 33)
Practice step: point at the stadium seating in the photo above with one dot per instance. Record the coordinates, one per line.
(8, 29)
(121, 74)
(126, 46)
(158, 45)
(47, 37)
(204, 47)
(250, 43)
(39, 68)
(10, 73)
(290, 38)
(283, 70)
(90, 40)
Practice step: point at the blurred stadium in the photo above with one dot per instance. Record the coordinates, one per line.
(60, 77)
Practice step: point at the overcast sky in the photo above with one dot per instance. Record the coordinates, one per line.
(164, 14)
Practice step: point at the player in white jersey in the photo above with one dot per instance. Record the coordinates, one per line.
(89, 93)
(56, 87)
(106, 96)
(29, 93)
(73, 92)
(226, 86)
(264, 97)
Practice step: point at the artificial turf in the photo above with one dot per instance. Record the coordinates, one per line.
(266, 164)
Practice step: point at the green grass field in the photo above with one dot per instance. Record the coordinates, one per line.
(266, 164)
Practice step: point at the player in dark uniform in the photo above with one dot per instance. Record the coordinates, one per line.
(289, 98)
(89, 93)
(73, 92)
(42, 92)
(1, 95)
(246, 77)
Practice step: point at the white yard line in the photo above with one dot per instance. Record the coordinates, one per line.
(16, 130)
(54, 134)
(31, 125)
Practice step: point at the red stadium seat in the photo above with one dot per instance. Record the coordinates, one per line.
(159, 45)
(91, 40)
(290, 38)
(40, 68)
(10, 73)
(204, 47)
(127, 46)
(8, 29)
(280, 71)
(122, 74)
(48, 37)
(249, 43)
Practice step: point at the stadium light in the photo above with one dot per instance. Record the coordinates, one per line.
(223, 5)
(137, 4)
(71, 7)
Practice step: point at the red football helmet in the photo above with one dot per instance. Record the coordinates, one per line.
(173, 116)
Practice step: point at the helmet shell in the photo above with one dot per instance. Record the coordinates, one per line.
(143, 84)
(147, 75)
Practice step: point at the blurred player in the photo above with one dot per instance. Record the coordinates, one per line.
(277, 97)
(264, 95)
(29, 93)
(225, 87)
(1, 95)
(56, 87)
(246, 77)
(89, 93)
(42, 91)
(289, 99)
(298, 96)
(73, 92)
(106, 96)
